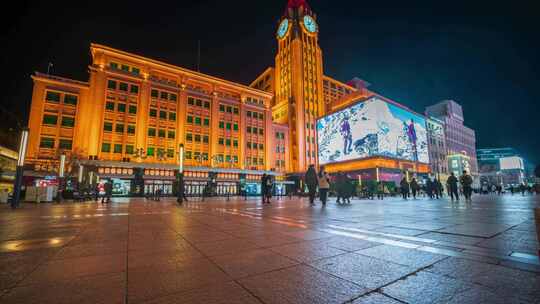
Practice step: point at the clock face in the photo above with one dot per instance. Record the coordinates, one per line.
(310, 24)
(283, 28)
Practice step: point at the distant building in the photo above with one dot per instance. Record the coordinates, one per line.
(460, 139)
(503, 166)
(8, 164)
(437, 148)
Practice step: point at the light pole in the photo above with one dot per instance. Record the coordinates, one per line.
(61, 170)
(20, 169)
(180, 199)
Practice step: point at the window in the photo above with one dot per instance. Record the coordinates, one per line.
(52, 96)
(123, 86)
(261, 116)
(170, 153)
(235, 159)
(205, 156)
(207, 105)
(249, 129)
(249, 114)
(173, 97)
(229, 109)
(161, 133)
(135, 71)
(235, 110)
(170, 134)
(197, 138)
(129, 149)
(207, 122)
(132, 109)
(150, 151)
(125, 68)
(189, 137)
(113, 65)
(162, 115)
(222, 108)
(111, 84)
(70, 99)
(46, 142)
(198, 121)
(118, 148)
(151, 132)
(154, 93)
(131, 129)
(190, 119)
(119, 128)
(261, 131)
(261, 147)
(106, 147)
(187, 155)
(198, 103)
(121, 107)
(191, 101)
(164, 95)
(228, 142)
(206, 139)
(249, 145)
(107, 126)
(228, 126)
(254, 130)
(221, 125)
(235, 127)
(109, 106)
(134, 89)
(261, 161)
(235, 143)
(221, 141)
(68, 121)
(172, 116)
(50, 119)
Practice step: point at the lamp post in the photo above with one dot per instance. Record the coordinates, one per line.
(61, 170)
(180, 199)
(20, 169)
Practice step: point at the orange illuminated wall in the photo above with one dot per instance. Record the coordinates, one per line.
(377, 162)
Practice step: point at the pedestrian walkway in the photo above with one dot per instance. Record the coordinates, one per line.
(240, 251)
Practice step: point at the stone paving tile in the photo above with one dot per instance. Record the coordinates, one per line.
(307, 251)
(400, 231)
(362, 270)
(308, 235)
(69, 269)
(348, 243)
(404, 256)
(170, 259)
(15, 266)
(225, 247)
(478, 230)
(252, 262)
(375, 298)
(266, 241)
(222, 293)
(451, 238)
(147, 283)
(301, 285)
(101, 289)
(425, 287)
(92, 249)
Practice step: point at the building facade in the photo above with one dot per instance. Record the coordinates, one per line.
(501, 166)
(460, 140)
(437, 148)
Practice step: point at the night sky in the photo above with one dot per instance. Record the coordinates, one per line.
(482, 54)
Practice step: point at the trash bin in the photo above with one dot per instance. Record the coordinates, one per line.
(537, 223)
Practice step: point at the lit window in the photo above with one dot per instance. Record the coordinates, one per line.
(106, 147)
(46, 142)
(50, 119)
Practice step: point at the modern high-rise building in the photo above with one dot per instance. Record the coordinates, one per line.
(460, 139)
(437, 148)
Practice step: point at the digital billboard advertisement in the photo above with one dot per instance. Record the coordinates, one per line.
(372, 128)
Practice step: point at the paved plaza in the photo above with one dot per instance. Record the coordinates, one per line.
(239, 251)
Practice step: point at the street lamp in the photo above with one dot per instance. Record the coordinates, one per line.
(180, 199)
(20, 169)
(61, 171)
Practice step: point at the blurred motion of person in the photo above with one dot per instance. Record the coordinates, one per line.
(414, 187)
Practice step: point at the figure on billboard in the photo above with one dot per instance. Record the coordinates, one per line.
(411, 133)
(347, 135)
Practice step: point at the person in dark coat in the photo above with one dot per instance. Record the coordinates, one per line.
(466, 181)
(311, 181)
(347, 188)
(404, 185)
(341, 186)
(438, 188)
(108, 193)
(430, 187)
(264, 187)
(414, 187)
(452, 186)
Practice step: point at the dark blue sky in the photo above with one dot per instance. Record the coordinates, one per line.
(483, 54)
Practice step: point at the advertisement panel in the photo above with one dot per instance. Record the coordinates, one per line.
(510, 163)
(372, 128)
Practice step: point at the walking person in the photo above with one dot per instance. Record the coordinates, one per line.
(380, 190)
(438, 188)
(340, 187)
(348, 189)
(312, 182)
(264, 186)
(269, 187)
(404, 185)
(466, 182)
(414, 187)
(324, 185)
(430, 187)
(108, 193)
(452, 186)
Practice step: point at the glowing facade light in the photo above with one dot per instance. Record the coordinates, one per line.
(181, 159)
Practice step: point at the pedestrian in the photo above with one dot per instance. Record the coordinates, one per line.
(348, 189)
(106, 198)
(512, 189)
(466, 183)
(430, 187)
(452, 186)
(522, 188)
(264, 177)
(324, 185)
(311, 181)
(380, 190)
(414, 187)
(404, 185)
(438, 188)
(269, 186)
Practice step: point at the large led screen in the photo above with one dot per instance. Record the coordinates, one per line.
(372, 128)
(513, 162)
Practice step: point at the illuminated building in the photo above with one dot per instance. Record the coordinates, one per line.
(437, 148)
(502, 166)
(8, 164)
(128, 120)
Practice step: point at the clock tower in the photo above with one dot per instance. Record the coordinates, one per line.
(299, 81)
